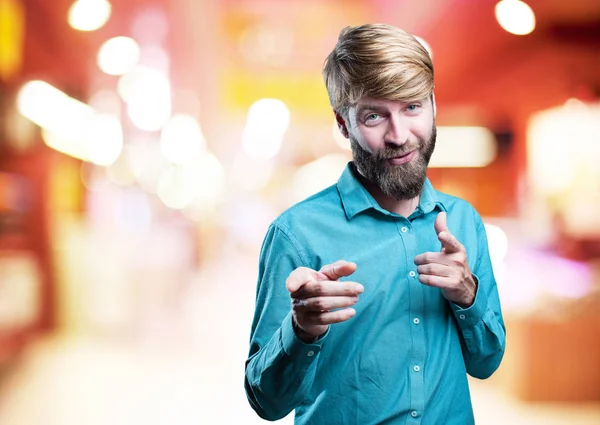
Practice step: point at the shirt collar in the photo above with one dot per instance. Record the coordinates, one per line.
(356, 199)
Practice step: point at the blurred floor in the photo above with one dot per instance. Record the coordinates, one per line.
(184, 365)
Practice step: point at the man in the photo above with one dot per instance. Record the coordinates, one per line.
(393, 298)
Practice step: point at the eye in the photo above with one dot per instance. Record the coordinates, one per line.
(371, 118)
(413, 107)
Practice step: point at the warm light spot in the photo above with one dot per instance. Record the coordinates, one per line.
(50, 108)
(139, 80)
(69, 143)
(201, 183)
(515, 16)
(497, 242)
(463, 147)
(100, 141)
(181, 139)
(149, 115)
(70, 126)
(148, 95)
(564, 138)
(106, 102)
(176, 186)
(563, 154)
(63, 119)
(118, 55)
(104, 139)
(89, 15)
(267, 122)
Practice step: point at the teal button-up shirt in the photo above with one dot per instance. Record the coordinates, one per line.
(404, 357)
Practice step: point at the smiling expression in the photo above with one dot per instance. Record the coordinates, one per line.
(392, 143)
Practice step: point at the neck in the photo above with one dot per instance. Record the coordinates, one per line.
(404, 207)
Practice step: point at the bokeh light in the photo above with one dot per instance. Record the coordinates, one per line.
(515, 16)
(118, 55)
(181, 139)
(463, 147)
(266, 123)
(147, 93)
(89, 15)
(104, 139)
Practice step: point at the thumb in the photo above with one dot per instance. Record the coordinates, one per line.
(447, 239)
(338, 269)
(440, 223)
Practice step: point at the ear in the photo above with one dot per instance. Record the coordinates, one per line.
(433, 104)
(341, 122)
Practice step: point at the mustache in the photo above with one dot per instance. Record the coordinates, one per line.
(390, 152)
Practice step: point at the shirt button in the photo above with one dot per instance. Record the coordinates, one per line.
(413, 413)
(310, 353)
(416, 368)
(412, 274)
(462, 316)
(404, 229)
(416, 321)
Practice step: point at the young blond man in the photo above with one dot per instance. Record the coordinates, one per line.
(393, 297)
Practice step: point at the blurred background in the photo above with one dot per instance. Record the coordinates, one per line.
(145, 146)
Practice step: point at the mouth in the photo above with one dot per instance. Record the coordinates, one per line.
(402, 159)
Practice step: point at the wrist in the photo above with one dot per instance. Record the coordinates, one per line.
(302, 335)
(469, 297)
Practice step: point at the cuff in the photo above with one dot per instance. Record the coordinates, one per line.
(295, 348)
(470, 316)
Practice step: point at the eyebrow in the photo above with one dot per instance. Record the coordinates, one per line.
(375, 108)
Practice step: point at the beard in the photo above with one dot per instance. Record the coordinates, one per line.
(401, 182)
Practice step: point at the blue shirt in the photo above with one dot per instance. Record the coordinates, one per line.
(404, 357)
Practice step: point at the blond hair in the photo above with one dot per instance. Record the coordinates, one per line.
(379, 61)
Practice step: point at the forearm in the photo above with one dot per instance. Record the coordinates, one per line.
(483, 346)
(483, 337)
(279, 375)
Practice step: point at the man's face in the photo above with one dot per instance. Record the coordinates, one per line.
(392, 143)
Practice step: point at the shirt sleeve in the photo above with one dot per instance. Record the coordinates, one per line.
(280, 368)
(481, 325)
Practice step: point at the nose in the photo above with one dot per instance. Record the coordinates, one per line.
(397, 132)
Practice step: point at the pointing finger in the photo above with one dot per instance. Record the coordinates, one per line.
(320, 288)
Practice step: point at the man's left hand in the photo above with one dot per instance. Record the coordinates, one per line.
(448, 269)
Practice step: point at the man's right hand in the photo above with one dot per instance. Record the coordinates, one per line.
(315, 293)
